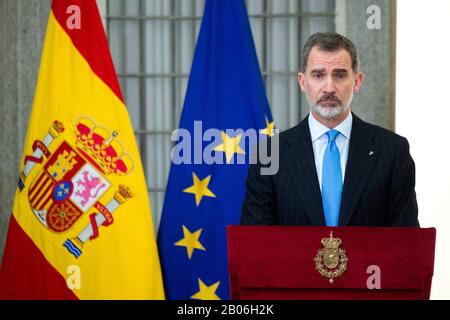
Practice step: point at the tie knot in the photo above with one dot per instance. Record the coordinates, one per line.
(332, 134)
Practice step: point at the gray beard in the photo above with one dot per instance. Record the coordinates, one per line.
(328, 113)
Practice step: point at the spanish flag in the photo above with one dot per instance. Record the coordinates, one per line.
(81, 224)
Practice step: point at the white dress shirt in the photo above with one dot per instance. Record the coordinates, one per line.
(320, 142)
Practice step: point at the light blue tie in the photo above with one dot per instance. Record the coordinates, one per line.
(331, 180)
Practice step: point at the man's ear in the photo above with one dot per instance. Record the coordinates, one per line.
(359, 79)
(301, 81)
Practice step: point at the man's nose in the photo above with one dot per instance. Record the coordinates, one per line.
(329, 85)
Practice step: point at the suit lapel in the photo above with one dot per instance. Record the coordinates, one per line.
(303, 168)
(362, 157)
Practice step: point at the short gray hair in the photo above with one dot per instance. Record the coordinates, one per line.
(329, 41)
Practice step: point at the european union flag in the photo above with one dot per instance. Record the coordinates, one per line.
(225, 91)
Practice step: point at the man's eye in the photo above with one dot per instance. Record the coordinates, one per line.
(317, 76)
(340, 76)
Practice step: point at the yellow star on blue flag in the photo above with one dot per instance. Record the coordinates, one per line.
(200, 188)
(190, 241)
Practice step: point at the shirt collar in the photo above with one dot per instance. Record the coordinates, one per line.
(317, 129)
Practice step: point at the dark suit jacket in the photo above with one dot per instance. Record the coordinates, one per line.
(378, 187)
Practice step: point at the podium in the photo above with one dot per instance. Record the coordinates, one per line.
(283, 262)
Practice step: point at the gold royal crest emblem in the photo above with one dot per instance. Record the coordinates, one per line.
(74, 171)
(331, 261)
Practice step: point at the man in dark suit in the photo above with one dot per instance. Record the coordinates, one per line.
(334, 168)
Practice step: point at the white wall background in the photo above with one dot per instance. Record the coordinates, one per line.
(423, 116)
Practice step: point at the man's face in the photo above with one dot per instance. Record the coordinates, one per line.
(329, 82)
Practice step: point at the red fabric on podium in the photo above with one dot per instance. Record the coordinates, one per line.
(277, 262)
